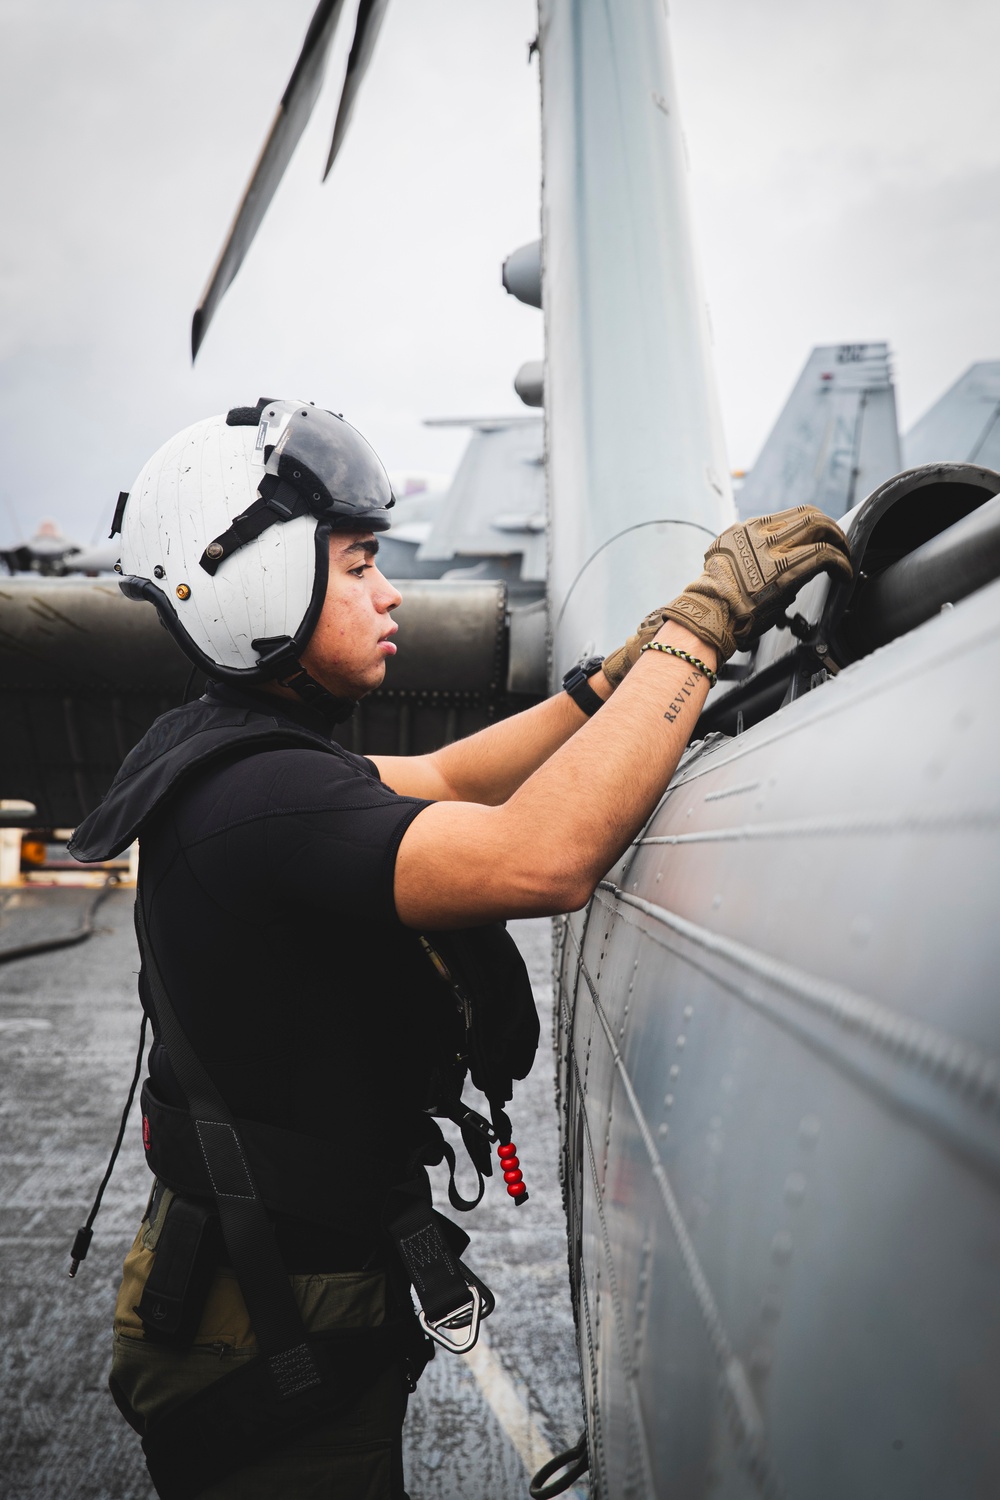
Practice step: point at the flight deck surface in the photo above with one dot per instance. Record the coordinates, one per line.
(478, 1425)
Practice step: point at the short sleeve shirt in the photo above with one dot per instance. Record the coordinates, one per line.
(268, 891)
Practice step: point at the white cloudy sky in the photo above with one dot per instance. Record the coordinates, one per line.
(845, 168)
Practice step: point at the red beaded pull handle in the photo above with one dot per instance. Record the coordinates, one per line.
(512, 1174)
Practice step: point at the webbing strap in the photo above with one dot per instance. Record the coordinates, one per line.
(464, 1205)
(288, 1169)
(246, 1228)
(279, 501)
(436, 1272)
(477, 1134)
(235, 1420)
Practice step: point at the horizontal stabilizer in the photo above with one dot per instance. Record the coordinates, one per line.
(496, 504)
(836, 438)
(964, 425)
(486, 424)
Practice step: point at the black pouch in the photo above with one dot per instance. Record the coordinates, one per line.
(487, 973)
(188, 1252)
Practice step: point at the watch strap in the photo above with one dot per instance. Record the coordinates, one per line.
(575, 683)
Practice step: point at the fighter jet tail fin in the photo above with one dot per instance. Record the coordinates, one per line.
(963, 425)
(836, 438)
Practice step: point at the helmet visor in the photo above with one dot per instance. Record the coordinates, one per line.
(337, 473)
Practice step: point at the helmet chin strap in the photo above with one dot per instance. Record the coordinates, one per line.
(317, 697)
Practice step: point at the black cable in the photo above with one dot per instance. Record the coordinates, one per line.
(84, 931)
(195, 670)
(84, 1236)
(575, 1462)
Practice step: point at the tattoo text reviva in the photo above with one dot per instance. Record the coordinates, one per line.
(676, 704)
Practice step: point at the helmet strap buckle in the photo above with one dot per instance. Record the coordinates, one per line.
(277, 656)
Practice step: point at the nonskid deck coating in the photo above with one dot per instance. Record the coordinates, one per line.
(68, 1033)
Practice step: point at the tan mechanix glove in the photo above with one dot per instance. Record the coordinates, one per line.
(752, 573)
(624, 659)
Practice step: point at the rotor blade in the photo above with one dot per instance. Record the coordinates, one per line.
(370, 16)
(289, 122)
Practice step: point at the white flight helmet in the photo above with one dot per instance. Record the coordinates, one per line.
(226, 531)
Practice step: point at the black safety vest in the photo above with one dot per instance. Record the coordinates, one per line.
(177, 745)
(239, 1171)
(501, 1027)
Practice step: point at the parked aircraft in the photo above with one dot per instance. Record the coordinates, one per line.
(836, 439)
(964, 423)
(51, 554)
(490, 523)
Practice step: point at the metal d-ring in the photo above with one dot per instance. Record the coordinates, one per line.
(464, 1320)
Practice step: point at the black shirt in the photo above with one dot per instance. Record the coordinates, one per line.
(267, 883)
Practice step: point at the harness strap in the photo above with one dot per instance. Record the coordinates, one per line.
(477, 1136)
(464, 1205)
(435, 1272)
(246, 1228)
(235, 1420)
(288, 1166)
(453, 1301)
(290, 1169)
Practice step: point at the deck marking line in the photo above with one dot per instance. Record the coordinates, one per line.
(510, 1411)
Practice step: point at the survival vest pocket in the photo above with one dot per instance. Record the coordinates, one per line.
(487, 974)
(188, 1252)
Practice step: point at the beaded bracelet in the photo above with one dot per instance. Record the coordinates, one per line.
(684, 656)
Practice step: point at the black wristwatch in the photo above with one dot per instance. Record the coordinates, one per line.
(576, 684)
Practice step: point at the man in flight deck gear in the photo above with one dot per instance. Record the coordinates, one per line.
(320, 946)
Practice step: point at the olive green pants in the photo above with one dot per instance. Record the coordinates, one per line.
(355, 1456)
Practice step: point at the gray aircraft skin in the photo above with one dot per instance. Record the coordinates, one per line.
(779, 1072)
(777, 1024)
(638, 478)
(778, 1028)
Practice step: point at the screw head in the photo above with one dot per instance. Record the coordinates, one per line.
(183, 591)
(159, 572)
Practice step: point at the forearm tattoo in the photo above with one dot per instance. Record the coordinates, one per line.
(676, 705)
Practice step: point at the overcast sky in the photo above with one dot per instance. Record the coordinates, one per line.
(845, 161)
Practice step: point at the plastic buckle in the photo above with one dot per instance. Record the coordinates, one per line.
(283, 512)
(464, 1321)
